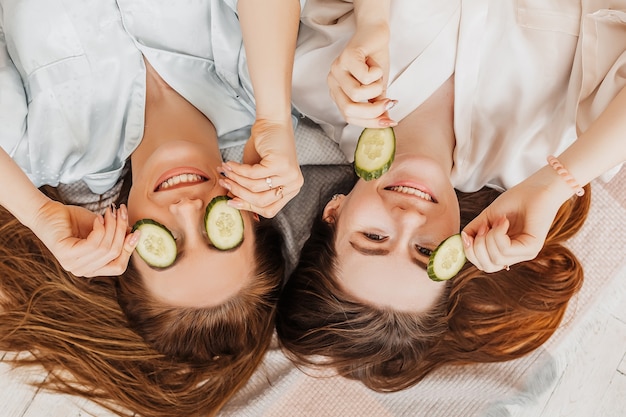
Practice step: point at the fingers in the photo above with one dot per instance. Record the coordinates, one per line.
(107, 249)
(490, 248)
(361, 106)
(266, 203)
(268, 211)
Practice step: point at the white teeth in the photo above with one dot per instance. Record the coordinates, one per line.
(412, 191)
(182, 178)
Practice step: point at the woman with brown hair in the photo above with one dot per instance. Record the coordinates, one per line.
(88, 86)
(360, 299)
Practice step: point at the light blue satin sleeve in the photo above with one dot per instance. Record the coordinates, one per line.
(13, 103)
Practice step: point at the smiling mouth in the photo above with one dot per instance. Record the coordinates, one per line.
(411, 191)
(181, 180)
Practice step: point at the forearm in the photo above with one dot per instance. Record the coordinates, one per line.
(18, 194)
(597, 150)
(371, 12)
(270, 29)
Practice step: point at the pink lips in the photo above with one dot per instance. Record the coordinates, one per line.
(415, 186)
(179, 171)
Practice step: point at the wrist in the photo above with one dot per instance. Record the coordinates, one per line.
(32, 217)
(553, 185)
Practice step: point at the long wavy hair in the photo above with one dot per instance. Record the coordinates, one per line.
(108, 340)
(480, 317)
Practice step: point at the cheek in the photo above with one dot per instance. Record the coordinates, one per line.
(138, 207)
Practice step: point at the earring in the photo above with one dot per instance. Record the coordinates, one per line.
(335, 196)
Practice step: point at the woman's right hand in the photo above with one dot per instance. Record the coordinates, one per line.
(85, 243)
(358, 78)
(513, 228)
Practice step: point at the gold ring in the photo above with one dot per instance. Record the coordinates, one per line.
(268, 181)
(279, 191)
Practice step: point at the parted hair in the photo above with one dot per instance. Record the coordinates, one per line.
(108, 340)
(480, 317)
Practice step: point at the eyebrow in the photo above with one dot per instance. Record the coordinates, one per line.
(382, 252)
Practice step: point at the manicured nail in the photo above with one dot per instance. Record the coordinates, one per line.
(235, 204)
(390, 104)
(134, 239)
(387, 123)
(226, 167)
(224, 184)
(467, 242)
(482, 230)
(123, 212)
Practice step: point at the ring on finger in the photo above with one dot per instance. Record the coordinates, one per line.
(268, 181)
(279, 191)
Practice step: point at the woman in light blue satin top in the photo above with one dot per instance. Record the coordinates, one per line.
(88, 85)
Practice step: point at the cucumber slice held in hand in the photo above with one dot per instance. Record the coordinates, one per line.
(156, 246)
(374, 152)
(224, 224)
(447, 259)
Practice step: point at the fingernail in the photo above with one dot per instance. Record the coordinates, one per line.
(224, 184)
(467, 242)
(236, 204)
(226, 167)
(124, 212)
(390, 104)
(134, 239)
(482, 230)
(387, 123)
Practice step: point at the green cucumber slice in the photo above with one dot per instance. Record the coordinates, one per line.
(157, 246)
(374, 152)
(447, 259)
(224, 224)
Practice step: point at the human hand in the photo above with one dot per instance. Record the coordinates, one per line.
(358, 78)
(86, 244)
(512, 229)
(269, 176)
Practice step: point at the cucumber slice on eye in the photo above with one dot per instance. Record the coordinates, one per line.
(224, 224)
(157, 246)
(374, 152)
(447, 259)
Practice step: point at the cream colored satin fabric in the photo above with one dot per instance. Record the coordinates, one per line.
(521, 69)
(422, 49)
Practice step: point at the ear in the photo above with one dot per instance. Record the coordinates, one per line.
(332, 209)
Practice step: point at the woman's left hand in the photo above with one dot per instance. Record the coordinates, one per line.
(269, 176)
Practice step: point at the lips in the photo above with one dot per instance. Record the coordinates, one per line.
(413, 191)
(180, 177)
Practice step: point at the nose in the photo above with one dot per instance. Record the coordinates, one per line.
(409, 217)
(186, 207)
(188, 214)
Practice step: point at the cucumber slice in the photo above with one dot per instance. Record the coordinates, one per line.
(157, 246)
(224, 224)
(374, 152)
(447, 259)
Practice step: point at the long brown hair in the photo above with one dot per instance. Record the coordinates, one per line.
(144, 358)
(480, 317)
